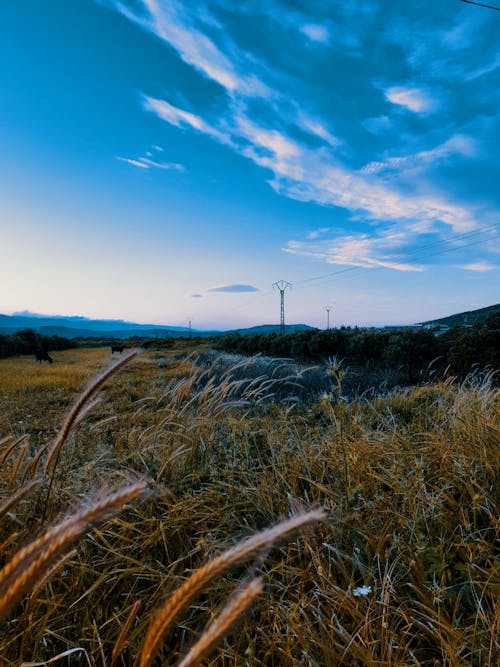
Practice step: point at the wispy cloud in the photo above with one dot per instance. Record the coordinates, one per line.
(492, 66)
(317, 176)
(478, 266)
(146, 162)
(321, 174)
(177, 24)
(355, 250)
(316, 32)
(318, 232)
(174, 115)
(316, 128)
(459, 144)
(415, 99)
(134, 163)
(233, 289)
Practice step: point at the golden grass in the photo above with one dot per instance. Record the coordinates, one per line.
(405, 571)
(238, 604)
(32, 561)
(23, 374)
(200, 579)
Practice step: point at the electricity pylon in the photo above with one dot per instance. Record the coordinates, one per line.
(328, 308)
(282, 285)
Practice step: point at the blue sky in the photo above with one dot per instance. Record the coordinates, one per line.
(164, 161)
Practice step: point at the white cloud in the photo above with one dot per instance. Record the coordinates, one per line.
(233, 288)
(174, 22)
(146, 163)
(316, 32)
(318, 129)
(351, 250)
(297, 171)
(318, 232)
(134, 163)
(174, 115)
(486, 69)
(276, 143)
(478, 266)
(414, 99)
(316, 176)
(459, 144)
(163, 165)
(170, 22)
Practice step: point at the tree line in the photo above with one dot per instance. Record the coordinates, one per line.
(28, 341)
(457, 351)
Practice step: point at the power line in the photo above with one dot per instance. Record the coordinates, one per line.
(362, 269)
(416, 251)
(435, 248)
(480, 4)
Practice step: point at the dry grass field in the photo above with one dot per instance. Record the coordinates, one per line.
(183, 505)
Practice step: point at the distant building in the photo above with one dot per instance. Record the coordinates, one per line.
(436, 327)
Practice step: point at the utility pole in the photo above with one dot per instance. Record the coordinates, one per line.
(189, 326)
(282, 285)
(328, 308)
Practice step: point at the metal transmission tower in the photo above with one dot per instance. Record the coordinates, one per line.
(282, 285)
(328, 309)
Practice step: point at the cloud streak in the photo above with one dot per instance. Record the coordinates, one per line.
(233, 288)
(322, 175)
(357, 251)
(146, 162)
(480, 267)
(414, 99)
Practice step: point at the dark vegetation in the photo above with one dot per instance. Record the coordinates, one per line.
(375, 358)
(417, 354)
(28, 341)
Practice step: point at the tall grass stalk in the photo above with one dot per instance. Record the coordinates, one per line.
(215, 568)
(31, 562)
(236, 606)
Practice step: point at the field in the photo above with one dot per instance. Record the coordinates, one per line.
(403, 567)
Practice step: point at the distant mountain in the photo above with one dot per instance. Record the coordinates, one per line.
(271, 328)
(83, 327)
(35, 321)
(463, 319)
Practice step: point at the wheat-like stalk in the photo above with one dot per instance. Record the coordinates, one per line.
(233, 610)
(120, 640)
(18, 495)
(30, 562)
(216, 567)
(8, 444)
(79, 410)
(40, 583)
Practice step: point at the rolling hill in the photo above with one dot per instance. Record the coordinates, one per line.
(467, 318)
(82, 327)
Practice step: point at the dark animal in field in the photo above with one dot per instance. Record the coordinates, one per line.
(117, 348)
(42, 355)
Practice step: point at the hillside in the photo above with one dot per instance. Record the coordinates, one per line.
(468, 317)
(82, 327)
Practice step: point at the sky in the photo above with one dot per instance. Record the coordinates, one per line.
(164, 161)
